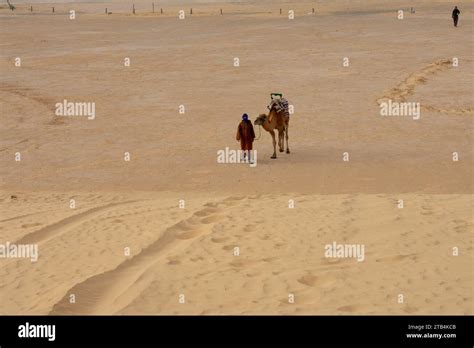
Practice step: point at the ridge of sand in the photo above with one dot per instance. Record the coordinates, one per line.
(406, 88)
(191, 251)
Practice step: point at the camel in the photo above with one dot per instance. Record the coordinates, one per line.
(275, 120)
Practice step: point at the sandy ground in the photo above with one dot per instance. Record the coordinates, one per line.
(191, 251)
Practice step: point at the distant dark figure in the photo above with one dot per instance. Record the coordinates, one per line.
(10, 5)
(455, 16)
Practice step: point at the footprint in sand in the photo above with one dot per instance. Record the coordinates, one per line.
(228, 202)
(206, 212)
(330, 261)
(242, 263)
(311, 280)
(31, 225)
(396, 258)
(461, 226)
(191, 228)
(173, 262)
(426, 211)
(251, 275)
(219, 239)
(308, 280)
(249, 228)
(233, 199)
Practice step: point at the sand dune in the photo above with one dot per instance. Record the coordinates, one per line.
(134, 205)
(191, 251)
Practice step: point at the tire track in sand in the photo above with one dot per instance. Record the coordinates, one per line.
(407, 87)
(64, 225)
(118, 287)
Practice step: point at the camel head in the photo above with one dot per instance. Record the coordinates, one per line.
(260, 120)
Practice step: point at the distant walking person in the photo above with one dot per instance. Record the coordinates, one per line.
(455, 16)
(245, 135)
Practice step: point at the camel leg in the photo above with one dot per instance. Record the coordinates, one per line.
(281, 141)
(274, 144)
(286, 134)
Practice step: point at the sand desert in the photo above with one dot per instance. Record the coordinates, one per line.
(132, 213)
